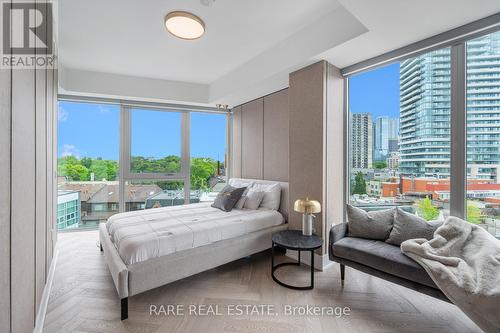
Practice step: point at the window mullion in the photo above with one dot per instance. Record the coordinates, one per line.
(124, 154)
(186, 155)
(458, 132)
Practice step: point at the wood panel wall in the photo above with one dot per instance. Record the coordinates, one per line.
(276, 139)
(316, 96)
(236, 143)
(260, 138)
(5, 201)
(27, 191)
(307, 104)
(252, 139)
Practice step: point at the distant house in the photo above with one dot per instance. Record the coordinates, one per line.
(100, 200)
(170, 198)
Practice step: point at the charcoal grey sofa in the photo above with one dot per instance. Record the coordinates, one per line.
(379, 259)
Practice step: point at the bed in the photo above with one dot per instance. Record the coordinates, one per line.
(141, 247)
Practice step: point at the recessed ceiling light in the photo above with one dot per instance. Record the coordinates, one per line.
(184, 25)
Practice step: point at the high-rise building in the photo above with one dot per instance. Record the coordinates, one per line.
(393, 160)
(483, 107)
(425, 111)
(361, 140)
(424, 134)
(385, 137)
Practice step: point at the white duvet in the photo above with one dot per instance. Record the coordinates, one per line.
(152, 233)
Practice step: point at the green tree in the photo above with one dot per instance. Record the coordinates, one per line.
(359, 184)
(112, 169)
(201, 170)
(170, 185)
(426, 210)
(68, 160)
(99, 169)
(79, 169)
(167, 164)
(76, 172)
(380, 165)
(474, 214)
(104, 169)
(86, 162)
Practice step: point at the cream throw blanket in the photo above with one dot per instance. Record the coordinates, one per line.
(464, 261)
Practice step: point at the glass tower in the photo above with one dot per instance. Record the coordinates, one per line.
(425, 111)
(483, 107)
(425, 115)
(385, 137)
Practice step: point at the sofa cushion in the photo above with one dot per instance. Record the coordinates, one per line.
(383, 257)
(410, 226)
(371, 225)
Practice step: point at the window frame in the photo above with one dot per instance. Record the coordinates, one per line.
(126, 175)
(124, 128)
(127, 143)
(456, 39)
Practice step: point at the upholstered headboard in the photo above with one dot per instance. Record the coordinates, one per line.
(284, 193)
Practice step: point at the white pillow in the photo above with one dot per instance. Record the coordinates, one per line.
(272, 194)
(241, 183)
(253, 199)
(241, 202)
(234, 182)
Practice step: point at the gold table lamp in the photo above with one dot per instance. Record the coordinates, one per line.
(307, 207)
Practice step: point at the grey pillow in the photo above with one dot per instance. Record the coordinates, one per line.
(410, 226)
(375, 225)
(228, 197)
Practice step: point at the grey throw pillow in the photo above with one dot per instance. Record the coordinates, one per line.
(228, 197)
(375, 225)
(410, 226)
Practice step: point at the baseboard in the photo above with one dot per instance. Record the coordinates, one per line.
(321, 262)
(42, 310)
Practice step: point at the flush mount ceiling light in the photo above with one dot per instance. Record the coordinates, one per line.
(184, 25)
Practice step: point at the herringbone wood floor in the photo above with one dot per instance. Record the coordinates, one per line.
(84, 299)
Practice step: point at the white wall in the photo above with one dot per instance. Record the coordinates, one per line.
(89, 83)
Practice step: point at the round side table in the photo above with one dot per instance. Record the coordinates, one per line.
(294, 240)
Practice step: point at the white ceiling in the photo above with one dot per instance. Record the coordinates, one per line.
(249, 46)
(128, 37)
(396, 23)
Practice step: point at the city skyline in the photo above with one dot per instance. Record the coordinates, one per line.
(423, 110)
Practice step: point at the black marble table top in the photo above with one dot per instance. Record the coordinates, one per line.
(294, 240)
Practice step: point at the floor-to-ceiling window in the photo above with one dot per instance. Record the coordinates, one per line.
(208, 154)
(400, 133)
(155, 172)
(483, 132)
(116, 158)
(88, 153)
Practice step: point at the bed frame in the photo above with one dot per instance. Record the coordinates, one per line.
(137, 278)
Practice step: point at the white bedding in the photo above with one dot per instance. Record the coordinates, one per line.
(152, 233)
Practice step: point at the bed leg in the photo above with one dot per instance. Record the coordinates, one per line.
(124, 308)
(100, 245)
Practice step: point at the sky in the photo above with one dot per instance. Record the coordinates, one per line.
(376, 92)
(92, 130)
